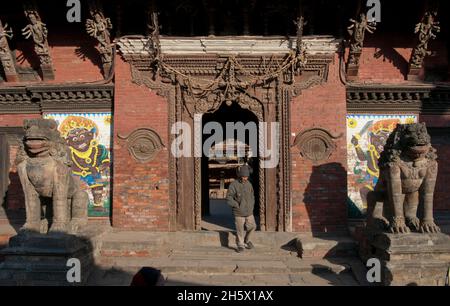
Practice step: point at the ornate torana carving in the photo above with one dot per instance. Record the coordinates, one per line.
(5, 53)
(143, 144)
(44, 167)
(38, 31)
(408, 172)
(99, 27)
(218, 71)
(357, 31)
(426, 30)
(316, 144)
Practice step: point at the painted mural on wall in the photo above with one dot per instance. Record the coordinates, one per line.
(366, 136)
(88, 136)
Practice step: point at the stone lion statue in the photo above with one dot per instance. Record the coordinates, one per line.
(408, 171)
(51, 193)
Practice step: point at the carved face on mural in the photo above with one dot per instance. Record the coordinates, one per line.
(378, 140)
(80, 139)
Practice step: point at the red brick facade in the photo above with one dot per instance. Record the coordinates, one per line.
(140, 190)
(319, 191)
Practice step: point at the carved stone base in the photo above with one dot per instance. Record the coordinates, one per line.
(415, 74)
(352, 72)
(47, 72)
(11, 77)
(36, 259)
(409, 259)
(106, 69)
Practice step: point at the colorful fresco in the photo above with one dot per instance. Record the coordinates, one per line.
(366, 136)
(89, 138)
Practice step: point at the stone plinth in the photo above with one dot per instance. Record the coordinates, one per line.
(410, 259)
(37, 259)
(415, 74)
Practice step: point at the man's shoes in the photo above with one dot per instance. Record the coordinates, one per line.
(240, 249)
(249, 245)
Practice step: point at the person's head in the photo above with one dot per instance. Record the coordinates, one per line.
(243, 172)
(148, 276)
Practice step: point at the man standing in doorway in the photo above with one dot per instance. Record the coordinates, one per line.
(241, 198)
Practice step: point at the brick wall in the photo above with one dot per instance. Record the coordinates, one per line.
(74, 58)
(15, 120)
(441, 142)
(319, 192)
(140, 190)
(386, 60)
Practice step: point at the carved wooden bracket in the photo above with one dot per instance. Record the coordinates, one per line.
(143, 144)
(426, 30)
(37, 30)
(6, 57)
(99, 27)
(315, 144)
(357, 30)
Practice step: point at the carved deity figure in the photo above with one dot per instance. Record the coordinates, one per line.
(426, 29)
(408, 171)
(44, 167)
(378, 134)
(90, 159)
(38, 31)
(357, 31)
(5, 33)
(99, 28)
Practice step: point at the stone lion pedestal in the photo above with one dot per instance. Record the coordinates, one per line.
(410, 259)
(43, 259)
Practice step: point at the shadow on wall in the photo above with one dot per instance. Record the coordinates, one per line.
(325, 199)
(14, 197)
(87, 51)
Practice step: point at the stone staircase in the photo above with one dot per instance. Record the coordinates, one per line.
(209, 258)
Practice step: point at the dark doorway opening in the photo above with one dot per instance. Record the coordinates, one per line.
(219, 169)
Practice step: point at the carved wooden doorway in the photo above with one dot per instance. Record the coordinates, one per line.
(197, 84)
(230, 139)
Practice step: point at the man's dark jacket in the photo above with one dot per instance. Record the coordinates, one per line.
(241, 198)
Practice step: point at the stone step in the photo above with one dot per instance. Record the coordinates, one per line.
(159, 244)
(117, 277)
(230, 252)
(215, 272)
(325, 278)
(210, 264)
(326, 247)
